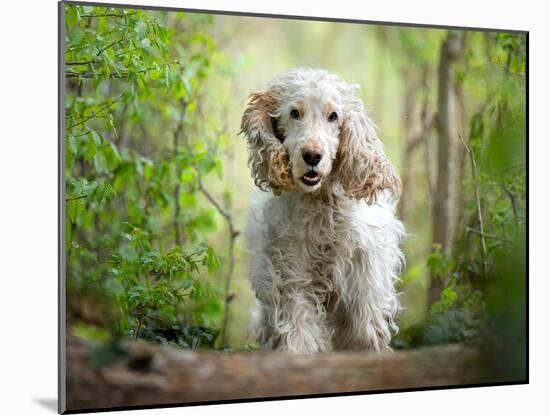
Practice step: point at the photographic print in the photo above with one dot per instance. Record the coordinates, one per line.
(264, 207)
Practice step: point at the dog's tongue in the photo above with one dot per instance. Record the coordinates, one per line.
(311, 174)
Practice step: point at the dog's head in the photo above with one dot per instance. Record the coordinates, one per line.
(308, 128)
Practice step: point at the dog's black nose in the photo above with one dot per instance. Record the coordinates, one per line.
(311, 157)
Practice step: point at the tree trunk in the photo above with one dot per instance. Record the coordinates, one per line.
(177, 208)
(460, 222)
(417, 126)
(410, 127)
(445, 192)
(147, 374)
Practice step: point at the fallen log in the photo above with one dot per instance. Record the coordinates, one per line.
(150, 374)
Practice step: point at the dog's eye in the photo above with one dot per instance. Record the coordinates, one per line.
(295, 114)
(332, 117)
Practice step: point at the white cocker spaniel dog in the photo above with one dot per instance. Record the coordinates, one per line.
(323, 237)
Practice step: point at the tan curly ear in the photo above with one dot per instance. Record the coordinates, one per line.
(363, 167)
(267, 158)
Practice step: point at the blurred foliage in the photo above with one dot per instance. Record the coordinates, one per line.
(474, 308)
(131, 174)
(153, 105)
(505, 340)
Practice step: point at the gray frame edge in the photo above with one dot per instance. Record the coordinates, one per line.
(62, 298)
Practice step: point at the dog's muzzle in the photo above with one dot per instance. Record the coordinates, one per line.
(311, 178)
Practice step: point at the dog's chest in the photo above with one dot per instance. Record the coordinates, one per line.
(313, 233)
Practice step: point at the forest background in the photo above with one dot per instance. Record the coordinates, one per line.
(157, 184)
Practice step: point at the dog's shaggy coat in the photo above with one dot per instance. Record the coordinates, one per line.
(323, 238)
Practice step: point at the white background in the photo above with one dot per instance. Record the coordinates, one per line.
(28, 204)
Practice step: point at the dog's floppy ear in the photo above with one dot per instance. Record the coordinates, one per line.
(268, 159)
(363, 167)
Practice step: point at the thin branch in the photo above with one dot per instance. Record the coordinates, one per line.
(481, 231)
(75, 198)
(139, 327)
(77, 48)
(90, 75)
(221, 210)
(512, 198)
(110, 45)
(100, 51)
(107, 15)
(119, 74)
(487, 235)
(81, 63)
(81, 134)
(507, 68)
(143, 315)
(517, 165)
(233, 234)
(96, 113)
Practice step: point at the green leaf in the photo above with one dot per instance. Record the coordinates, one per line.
(75, 208)
(90, 332)
(72, 15)
(112, 125)
(73, 144)
(155, 74)
(145, 44)
(100, 163)
(90, 149)
(206, 164)
(167, 76)
(141, 29)
(188, 176)
(104, 191)
(212, 260)
(219, 168)
(111, 154)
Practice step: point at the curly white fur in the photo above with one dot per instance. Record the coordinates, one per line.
(325, 249)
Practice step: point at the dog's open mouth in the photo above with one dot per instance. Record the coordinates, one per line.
(311, 178)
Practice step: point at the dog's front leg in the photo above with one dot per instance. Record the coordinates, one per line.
(290, 321)
(365, 319)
